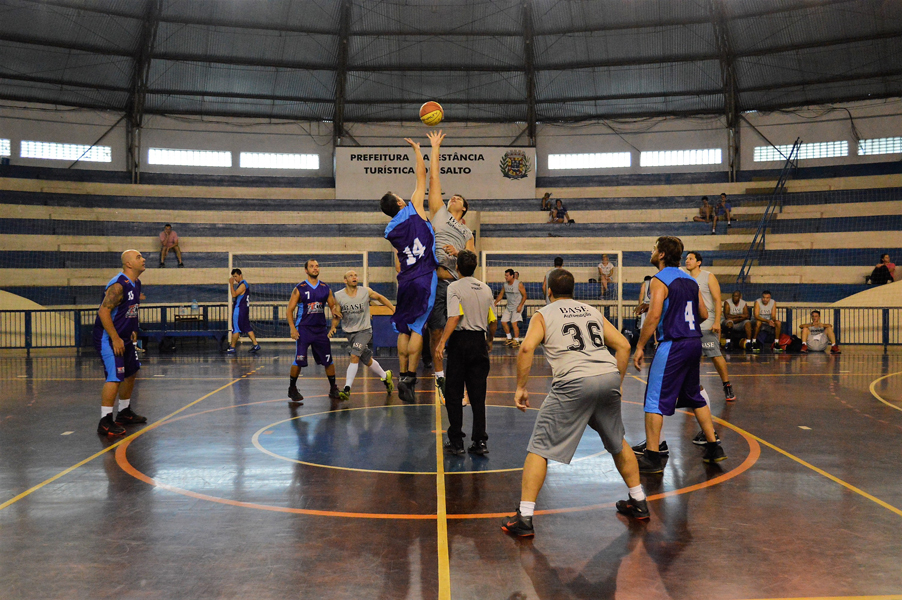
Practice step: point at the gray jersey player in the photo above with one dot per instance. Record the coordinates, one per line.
(512, 316)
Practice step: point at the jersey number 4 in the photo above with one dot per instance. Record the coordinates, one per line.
(418, 251)
(579, 343)
(690, 316)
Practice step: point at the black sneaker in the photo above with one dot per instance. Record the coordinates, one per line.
(256, 348)
(345, 394)
(637, 509)
(405, 390)
(108, 427)
(334, 394)
(480, 448)
(181, 265)
(714, 453)
(162, 265)
(518, 525)
(389, 386)
(699, 439)
(663, 450)
(128, 417)
(294, 395)
(428, 365)
(440, 386)
(451, 448)
(650, 463)
(728, 392)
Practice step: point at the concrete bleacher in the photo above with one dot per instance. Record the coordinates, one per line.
(61, 240)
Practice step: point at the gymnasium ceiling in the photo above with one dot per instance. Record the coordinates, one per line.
(484, 60)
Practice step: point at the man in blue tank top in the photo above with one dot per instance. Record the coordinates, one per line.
(115, 334)
(240, 291)
(675, 315)
(412, 236)
(310, 330)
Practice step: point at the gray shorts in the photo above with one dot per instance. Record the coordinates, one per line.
(818, 342)
(737, 325)
(509, 316)
(439, 315)
(710, 344)
(360, 344)
(569, 407)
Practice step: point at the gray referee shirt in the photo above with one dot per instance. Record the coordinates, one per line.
(472, 301)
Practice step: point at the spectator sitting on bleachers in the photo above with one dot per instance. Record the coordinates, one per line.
(169, 240)
(736, 320)
(766, 315)
(884, 272)
(559, 213)
(722, 211)
(816, 335)
(546, 202)
(704, 212)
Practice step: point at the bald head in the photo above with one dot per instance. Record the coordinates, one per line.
(133, 261)
(129, 255)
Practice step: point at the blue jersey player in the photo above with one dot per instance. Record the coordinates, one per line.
(240, 290)
(309, 328)
(412, 236)
(115, 334)
(675, 315)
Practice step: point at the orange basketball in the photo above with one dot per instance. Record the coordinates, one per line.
(431, 113)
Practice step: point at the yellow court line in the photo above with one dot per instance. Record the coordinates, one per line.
(154, 425)
(441, 512)
(874, 393)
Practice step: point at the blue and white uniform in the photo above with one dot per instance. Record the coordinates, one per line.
(241, 311)
(310, 321)
(125, 322)
(413, 238)
(673, 379)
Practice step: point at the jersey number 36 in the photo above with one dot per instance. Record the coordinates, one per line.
(579, 343)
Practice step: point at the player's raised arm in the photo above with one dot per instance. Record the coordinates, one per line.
(419, 194)
(292, 309)
(435, 187)
(382, 300)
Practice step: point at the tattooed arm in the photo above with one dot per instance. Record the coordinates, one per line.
(111, 300)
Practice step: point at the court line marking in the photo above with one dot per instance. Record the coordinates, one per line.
(873, 389)
(129, 438)
(817, 470)
(889, 597)
(441, 510)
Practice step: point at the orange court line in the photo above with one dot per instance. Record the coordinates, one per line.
(874, 393)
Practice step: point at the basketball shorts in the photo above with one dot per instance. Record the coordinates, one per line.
(673, 377)
(818, 342)
(710, 344)
(241, 321)
(569, 407)
(360, 344)
(415, 300)
(508, 315)
(117, 369)
(316, 341)
(438, 317)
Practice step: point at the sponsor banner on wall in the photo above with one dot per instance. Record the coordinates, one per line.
(366, 173)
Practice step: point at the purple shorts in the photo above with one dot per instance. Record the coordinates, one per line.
(318, 342)
(117, 369)
(241, 322)
(673, 377)
(415, 300)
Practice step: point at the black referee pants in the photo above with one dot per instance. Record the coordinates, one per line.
(468, 364)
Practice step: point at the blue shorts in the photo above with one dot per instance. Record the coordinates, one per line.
(241, 321)
(415, 301)
(673, 377)
(318, 342)
(117, 369)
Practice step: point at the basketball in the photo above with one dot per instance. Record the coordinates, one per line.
(431, 113)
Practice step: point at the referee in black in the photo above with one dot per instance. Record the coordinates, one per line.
(468, 333)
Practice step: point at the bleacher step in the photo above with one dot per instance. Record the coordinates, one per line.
(732, 262)
(732, 246)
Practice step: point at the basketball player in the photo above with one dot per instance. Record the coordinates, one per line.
(765, 313)
(515, 292)
(558, 263)
(816, 336)
(676, 311)
(644, 300)
(241, 322)
(605, 274)
(307, 322)
(585, 390)
(451, 237)
(354, 301)
(736, 317)
(412, 236)
(710, 290)
(115, 334)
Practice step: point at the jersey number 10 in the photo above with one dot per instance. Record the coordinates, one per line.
(418, 251)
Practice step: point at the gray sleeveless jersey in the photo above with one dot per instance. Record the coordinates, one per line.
(355, 312)
(766, 311)
(449, 231)
(702, 280)
(574, 341)
(513, 295)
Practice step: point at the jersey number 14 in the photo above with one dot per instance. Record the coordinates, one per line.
(418, 251)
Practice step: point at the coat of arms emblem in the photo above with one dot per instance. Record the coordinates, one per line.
(515, 164)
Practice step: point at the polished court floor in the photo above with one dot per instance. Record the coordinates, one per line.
(230, 493)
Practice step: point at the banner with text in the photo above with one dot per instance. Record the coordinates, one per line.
(473, 172)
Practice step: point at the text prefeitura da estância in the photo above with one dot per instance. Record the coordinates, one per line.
(409, 168)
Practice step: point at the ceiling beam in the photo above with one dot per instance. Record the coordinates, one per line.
(341, 73)
(134, 105)
(530, 67)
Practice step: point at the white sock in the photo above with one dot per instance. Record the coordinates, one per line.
(105, 410)
(637, 493)
(439, 373)
(352, 373)
(377, 369)
(508, 335)
(124, 402)
(527, 509)
(704, 394)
